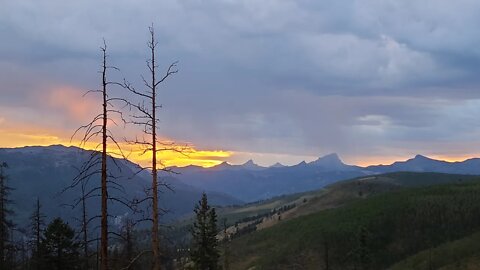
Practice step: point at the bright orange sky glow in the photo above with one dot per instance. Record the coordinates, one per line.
(190, 155)
(22, 136)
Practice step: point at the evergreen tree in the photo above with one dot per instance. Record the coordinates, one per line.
(59, 248)
(204, 251)
(6, 224)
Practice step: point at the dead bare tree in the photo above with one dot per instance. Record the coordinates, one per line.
(86, 193)
(147, 118)
(37, 222)
(96, 163)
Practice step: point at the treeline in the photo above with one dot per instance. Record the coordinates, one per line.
(57, 245)
(53, 245)
(253, 221)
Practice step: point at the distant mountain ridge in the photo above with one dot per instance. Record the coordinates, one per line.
(48, 169)
(251, 182)
(45, 171)
(425, 164)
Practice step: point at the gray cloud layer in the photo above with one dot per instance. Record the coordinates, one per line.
(276, 76)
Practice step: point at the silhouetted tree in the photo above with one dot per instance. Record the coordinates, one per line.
(148, 119)
(204, 251)
(59, 247)
(37, 222)
(96, 164)
(6, 224)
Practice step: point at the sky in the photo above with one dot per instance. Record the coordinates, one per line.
(273, 80)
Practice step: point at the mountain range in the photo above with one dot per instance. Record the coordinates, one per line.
(44, 172)
(250, 182)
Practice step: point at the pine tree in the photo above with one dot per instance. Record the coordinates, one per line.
(204, 251)
(59, 247)
(6, 224)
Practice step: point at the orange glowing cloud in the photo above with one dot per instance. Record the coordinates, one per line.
(71, 101)
(68, 106)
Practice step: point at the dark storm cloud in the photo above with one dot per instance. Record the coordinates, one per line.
(296, 77)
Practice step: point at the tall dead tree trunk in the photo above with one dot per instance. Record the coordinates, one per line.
(104, 219)
(155, 240)
(96, 164)
(37, 221)
(149, 120)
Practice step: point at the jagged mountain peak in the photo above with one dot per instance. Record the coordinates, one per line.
(277, 165)
(249, 163)
(223, 165)
(330, 160)
(421, 157)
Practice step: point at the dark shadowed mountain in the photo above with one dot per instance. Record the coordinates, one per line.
(250, 182)
(45, 171)
(258, 184)
(250, 165)
(424, 164)
(277, 165)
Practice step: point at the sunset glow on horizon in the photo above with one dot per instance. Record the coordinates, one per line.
(189, 156)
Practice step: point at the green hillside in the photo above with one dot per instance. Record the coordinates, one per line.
(333, 196)
(267, 213)
(371, 233)
(459, 254)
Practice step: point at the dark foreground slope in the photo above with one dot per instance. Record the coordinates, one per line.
(373, 233)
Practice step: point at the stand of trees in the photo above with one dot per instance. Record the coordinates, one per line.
(204, 252)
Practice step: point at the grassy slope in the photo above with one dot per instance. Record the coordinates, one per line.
(339, 194)
(459, 254)
(332, 196)
(344, 191)
(396, 225)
